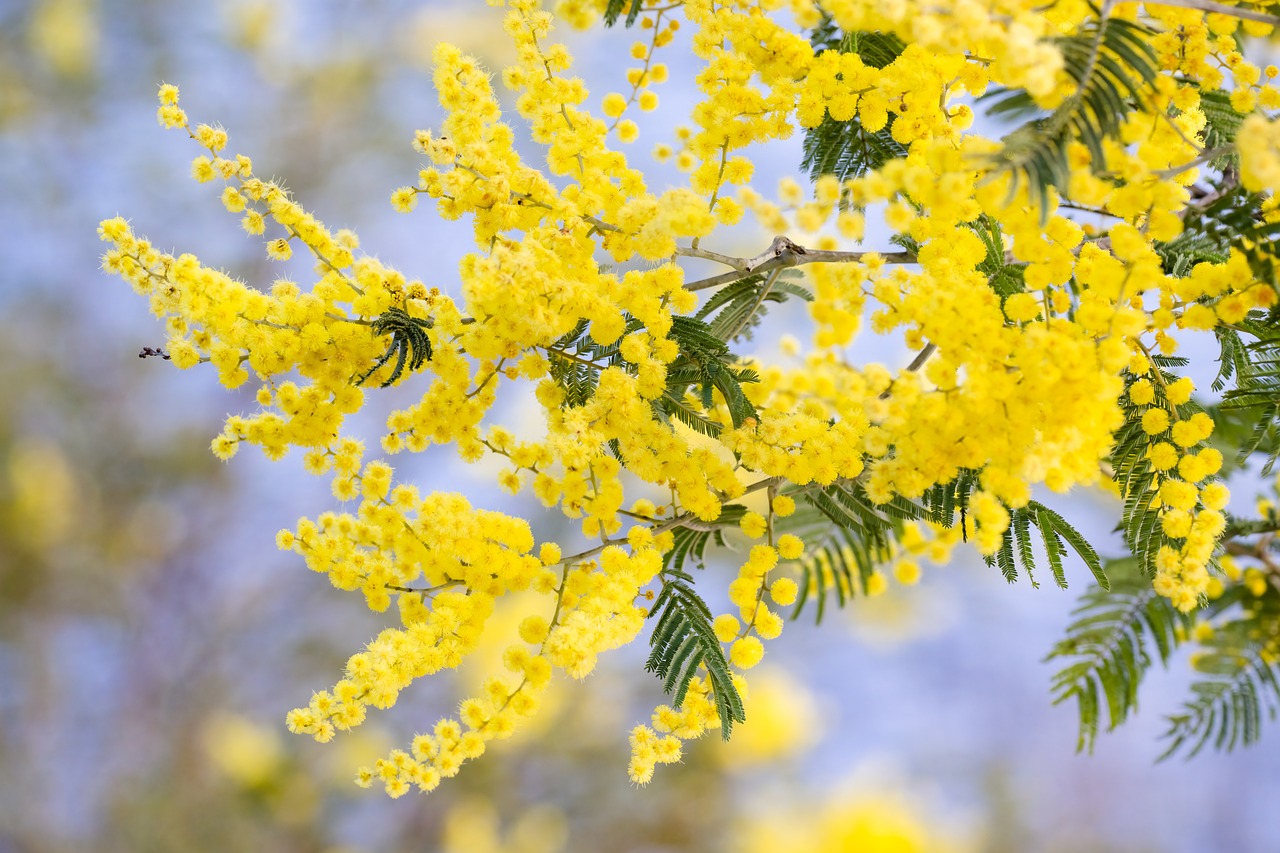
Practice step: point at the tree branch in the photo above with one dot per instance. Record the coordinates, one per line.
(781, 253)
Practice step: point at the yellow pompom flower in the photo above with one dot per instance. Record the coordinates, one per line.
(613, 105)
(1163, 455)
(404, 199)
(202, 170)
(906, 572)
(753, 524)
(1179, 391)
(1155, 421)
(726, 627)
(279, 249)
(1021, 307)
(746, 653)
(790, 547)
(1142, 392)
(783, 506)
(225, 446)
(783, 591)
(1215, 496)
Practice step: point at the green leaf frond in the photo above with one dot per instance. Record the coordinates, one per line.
(1056, 534)
(1221, 123)
(1230, 217)
(1193, 246)
(691, 539)
(846, 148)
(1108, 647)
(1240, 686)
(1255, 399)
(576, 361)
(945, 501)
(409, 343)
(737, 310)
(876, 49)
(837, 559)
(1005, 278)
(683, 640)
(1132, 470)
(841, 559)
(1112, 63)
(686, 410)
(706, 363)
(614, 10)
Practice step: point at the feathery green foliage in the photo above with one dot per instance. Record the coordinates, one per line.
(838, 558)
(1228, 705)
(1112, 63)
(691, 539)
(614, 10)
(842, 559)
(945, 501)
(1132, 469)
(1109, 644)
(576, 361)
(739, 307)
(1005, 278)
(1256, 395)
(846, 148)
(684, 640)
(1055, 535)
(1221, 123)
(409, 343)
(706, 363)
(1235, 218)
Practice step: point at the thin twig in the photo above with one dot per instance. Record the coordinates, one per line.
(695, 252)
(1219, 8)
(916, 363)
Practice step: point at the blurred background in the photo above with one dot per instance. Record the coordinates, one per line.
(152, 639)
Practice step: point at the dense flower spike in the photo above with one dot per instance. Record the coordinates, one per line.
(1044, 282)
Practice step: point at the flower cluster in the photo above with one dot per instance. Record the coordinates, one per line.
(1040, 323)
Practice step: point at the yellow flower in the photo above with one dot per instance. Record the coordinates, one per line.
(746, 653)
(1155, 421)
(783, 591)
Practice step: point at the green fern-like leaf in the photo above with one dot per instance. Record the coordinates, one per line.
(842, 558)
(1133, 472)
(1109, 647)
(838, 559)
(1254, 229)
(576, 361)
(614, 10)
(409, 344)
(1112, 63)
(1256, 395)
(846, 148)
(691, 540)
(1056, 534)
(946, 501)
(1221, 123)
(737, 309)
(1006, 279)
(683, 640)
(669, 408)
(706, 363)
(1227, 707)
